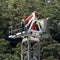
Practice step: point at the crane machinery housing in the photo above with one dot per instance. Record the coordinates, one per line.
(31, 25)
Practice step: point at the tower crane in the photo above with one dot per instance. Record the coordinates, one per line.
(31, 25)
(32, 28)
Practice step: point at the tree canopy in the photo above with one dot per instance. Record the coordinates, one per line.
(14, 10)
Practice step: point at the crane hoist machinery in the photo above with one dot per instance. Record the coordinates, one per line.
(30, 24)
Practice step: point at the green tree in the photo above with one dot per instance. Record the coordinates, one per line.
(4, 46)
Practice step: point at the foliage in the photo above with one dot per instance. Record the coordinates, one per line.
(4, 45)
(14, 10)
(50, 49)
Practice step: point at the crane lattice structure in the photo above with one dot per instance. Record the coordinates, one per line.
(30, 48)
